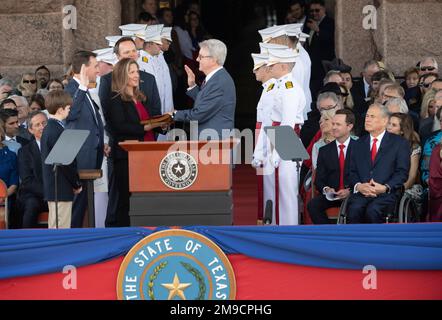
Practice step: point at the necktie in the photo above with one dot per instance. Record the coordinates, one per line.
(341, 166)
(374, 150)
(203, 84)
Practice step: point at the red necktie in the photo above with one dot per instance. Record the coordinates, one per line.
(374, 150)
(341, 166)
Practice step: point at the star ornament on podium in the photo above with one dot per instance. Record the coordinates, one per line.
(176, 288)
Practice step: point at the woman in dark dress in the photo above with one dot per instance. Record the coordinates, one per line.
(128, 108)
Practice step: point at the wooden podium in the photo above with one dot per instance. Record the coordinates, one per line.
(180, 183)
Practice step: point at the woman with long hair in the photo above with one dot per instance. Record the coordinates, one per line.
(402, 125)
(127, 109)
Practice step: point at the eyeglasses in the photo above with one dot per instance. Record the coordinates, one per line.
(425, 85)
(30, 81)
(202, 57)
(427, 68)
(329, 107)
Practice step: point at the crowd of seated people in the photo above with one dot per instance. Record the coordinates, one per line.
(407, 112)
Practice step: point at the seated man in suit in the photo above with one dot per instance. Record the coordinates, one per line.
(332, 174)
(379, 167)
(31, 197)
(12, 140)
(215, 100)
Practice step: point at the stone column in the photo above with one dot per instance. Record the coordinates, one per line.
(405, 32)
(32, 33)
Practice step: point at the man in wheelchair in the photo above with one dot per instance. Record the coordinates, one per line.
(332, 174)
(379, 167)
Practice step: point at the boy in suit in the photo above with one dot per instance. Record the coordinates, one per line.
(58, 104)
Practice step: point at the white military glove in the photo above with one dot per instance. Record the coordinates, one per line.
(275, 160)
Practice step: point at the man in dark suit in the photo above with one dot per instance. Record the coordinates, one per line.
(30, 193)
(12, 140)
(84, 115)
(379, 167)
(321, 44)
(332, 173)
(360, 90)
(125, 48)
(215, 100)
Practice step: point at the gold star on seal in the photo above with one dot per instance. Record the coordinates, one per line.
(176, 288)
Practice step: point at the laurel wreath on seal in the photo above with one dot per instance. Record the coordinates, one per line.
(199, 277)
(153, 277)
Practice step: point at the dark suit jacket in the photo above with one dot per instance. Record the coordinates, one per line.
(30, 170)
(391, 166)
(214, 106)
(67, 175)
(358, 94)
(322, 45)
(328, 171)
(148, 87)
(82, 117)
(124, 123)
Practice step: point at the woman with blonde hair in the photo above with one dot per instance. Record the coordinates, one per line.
(325, 123)
(28, 85)
(428, 107)
(128, 108)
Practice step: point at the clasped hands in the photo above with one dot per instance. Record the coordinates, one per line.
(371, 189)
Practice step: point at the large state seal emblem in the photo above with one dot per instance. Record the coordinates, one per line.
(176, 265)
(178, 170)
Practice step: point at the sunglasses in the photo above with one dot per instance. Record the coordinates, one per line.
(30, 81)
(427, 68)
(425, 85)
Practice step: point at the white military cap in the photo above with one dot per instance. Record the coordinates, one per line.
(282, 56)
(166, 33)
(265, 47)
(134, 30)
(272, 32)
(113, 40)
(303, 36)
(106, 55)
(294, 29)
(259, 60)
(153, 33)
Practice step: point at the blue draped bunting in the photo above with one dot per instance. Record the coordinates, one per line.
(388, 247)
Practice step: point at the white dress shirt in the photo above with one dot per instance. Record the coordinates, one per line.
(346, 143)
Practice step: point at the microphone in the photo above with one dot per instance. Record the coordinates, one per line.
(268, 212)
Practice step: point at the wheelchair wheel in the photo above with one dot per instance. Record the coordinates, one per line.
(407, 210)
(342, 218)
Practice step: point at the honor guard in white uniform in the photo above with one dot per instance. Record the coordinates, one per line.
(149, 62)
(166, 81)
(295, 30)
(277, 36)
(262, 152)
(288, 110)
